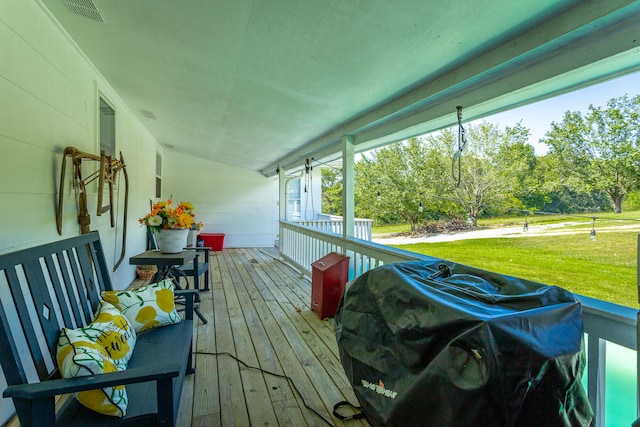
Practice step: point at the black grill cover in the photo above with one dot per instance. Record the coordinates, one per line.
(471, 349)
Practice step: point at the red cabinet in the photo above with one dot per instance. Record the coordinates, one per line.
(329, 275)
(215, 241)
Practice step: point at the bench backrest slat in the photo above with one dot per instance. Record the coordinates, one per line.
(61, 292)
(45, 321)
(16, 375)
(88, 279)
(78, 283)
(43, 289)
(45, 310)
(79, 304)
(28, 326)
(104, 278)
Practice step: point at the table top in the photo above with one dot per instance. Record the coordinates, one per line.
(155, 257)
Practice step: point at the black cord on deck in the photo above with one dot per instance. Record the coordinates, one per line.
(289, 380)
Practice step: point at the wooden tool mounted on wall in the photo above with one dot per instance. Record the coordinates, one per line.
(106, 173)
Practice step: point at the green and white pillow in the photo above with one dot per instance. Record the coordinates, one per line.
(103, 346)
(147, 307)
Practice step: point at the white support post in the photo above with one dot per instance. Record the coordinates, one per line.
(637, 423)
(282, 210)
(348, 227)
(282, 195)
(596, 376)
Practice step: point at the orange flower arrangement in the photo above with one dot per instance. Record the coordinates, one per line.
(162, 215)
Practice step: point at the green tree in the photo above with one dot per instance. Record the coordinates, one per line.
(517, 161)
(412, 180)
(494, 168)
(407, 181)
(437, 183)
(558, 191)
(599, 151)
(331, 191)
(388, 184)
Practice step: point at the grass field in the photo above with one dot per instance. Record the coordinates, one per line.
(603, 219)
(603, 269)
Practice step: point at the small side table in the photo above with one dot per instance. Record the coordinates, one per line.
(166, 266)
(164, 262)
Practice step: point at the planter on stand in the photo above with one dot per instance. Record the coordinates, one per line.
(171, 240)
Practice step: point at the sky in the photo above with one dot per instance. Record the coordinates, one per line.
(538, 116)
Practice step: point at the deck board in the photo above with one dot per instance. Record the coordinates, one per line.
(258, 310)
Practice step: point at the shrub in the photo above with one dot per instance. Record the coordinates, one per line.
(448, 225)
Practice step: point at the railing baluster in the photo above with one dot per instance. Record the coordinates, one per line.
(362, 229)
(596, 376)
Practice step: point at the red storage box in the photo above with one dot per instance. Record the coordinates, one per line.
(329, 276)
(215, 241)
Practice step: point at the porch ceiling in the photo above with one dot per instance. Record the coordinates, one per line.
(261, 83)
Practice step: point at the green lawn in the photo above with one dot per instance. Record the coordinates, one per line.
(582, 220)
(604, 269)
(386, 229)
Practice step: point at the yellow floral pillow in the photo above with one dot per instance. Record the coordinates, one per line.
(147, 307)
(103, 346)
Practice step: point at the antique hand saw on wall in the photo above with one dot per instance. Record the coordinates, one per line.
(106, 175)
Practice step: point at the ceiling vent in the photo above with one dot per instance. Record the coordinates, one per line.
(148, 114)
(85, 8)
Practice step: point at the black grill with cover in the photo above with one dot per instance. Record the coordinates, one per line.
(442, 344)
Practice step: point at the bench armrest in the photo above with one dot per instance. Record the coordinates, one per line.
(71, 385)
(189, 296)
(187, 293)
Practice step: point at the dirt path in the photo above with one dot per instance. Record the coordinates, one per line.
(510, 232)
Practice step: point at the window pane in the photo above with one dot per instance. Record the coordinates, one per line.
(158, 164)
(107, 129)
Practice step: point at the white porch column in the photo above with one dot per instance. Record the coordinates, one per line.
(348, 227)
(282, 195)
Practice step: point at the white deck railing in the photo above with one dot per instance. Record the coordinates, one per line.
(604, 322)
(362, 227)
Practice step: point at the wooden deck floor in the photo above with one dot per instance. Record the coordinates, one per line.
(258, 311)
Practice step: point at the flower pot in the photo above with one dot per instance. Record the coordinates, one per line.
(192, 238)
(171, 240)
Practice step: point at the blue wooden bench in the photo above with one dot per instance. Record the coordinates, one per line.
(35, 286)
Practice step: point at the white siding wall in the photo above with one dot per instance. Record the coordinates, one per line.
(226, 199)
(48, 101)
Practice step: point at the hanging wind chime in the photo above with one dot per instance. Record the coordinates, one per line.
(462, 143)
